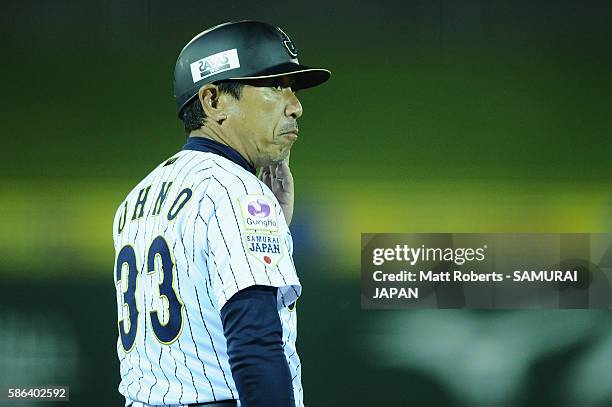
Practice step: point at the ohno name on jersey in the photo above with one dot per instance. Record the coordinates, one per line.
(137, 208)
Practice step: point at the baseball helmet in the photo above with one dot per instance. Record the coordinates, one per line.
(239, 50)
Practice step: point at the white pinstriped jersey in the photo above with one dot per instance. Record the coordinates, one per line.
(195, 231)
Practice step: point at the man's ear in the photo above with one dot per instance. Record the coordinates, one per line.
(209, 96)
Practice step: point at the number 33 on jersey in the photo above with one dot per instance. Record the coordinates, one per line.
(166, 319)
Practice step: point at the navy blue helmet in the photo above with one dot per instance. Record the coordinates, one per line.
(239, 50)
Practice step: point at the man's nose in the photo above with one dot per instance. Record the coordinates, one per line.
(294, 107)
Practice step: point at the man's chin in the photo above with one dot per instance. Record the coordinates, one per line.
(280, 157)
(275, 157)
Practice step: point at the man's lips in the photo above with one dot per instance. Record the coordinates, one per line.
(291, 133)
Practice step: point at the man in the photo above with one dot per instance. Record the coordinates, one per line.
(205, 281)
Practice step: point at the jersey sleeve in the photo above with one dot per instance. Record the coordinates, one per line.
(248, 242)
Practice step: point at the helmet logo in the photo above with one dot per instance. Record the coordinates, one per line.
(214, 64)
(291, 49)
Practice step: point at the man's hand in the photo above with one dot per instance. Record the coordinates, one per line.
(279, 179)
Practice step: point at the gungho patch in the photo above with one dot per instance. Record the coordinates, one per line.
(258, 213)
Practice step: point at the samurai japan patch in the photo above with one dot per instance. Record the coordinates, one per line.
(260, 221)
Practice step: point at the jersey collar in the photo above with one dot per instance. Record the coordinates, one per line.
(211, 146)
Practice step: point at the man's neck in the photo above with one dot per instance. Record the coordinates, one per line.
(220, 138)
(208, 145)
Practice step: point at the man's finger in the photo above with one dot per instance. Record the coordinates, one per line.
(282, 170)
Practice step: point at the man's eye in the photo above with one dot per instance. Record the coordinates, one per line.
(282, 87)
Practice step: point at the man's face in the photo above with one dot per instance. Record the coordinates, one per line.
(264, 119)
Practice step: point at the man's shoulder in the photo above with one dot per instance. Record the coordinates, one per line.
(231, 179)
(228, 171)
(157, 173)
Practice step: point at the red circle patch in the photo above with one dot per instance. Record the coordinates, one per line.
(267, 259)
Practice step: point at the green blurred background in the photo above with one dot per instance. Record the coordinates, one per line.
(441, 116)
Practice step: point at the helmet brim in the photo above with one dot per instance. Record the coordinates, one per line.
(305, 77)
